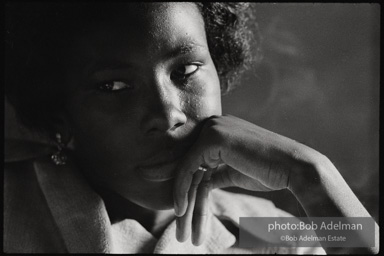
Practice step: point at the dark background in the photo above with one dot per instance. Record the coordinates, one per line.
(318, 83)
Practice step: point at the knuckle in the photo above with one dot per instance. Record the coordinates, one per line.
(212, 158)
(214, 119)
(215, 134)
(214, 130)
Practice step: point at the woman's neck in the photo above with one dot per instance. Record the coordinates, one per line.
(120, 208)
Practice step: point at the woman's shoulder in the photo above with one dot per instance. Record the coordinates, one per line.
(28, 223)
(21, 150)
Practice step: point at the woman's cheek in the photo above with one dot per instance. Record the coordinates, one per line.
(208, 96)
(100, 131)
(201, 104)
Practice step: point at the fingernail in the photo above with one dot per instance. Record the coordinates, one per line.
(197, 241)
(178, 235)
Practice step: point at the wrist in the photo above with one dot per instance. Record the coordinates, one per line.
(309, 172)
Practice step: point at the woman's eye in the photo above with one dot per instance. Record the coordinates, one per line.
(114, 86)
(184, 71)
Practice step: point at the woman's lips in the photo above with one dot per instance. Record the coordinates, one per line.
(158, 172)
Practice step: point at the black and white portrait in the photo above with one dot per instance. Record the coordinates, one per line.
(161, 127)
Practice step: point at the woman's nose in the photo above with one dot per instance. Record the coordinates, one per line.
(164, 113)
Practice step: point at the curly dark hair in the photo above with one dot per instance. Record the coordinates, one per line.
(37, 36)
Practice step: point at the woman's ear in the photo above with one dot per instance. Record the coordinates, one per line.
(61, 125)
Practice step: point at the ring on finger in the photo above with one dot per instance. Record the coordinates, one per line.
(201, 168)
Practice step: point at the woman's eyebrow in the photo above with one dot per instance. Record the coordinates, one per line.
(185, 48)
(106, 65)
(113, 64)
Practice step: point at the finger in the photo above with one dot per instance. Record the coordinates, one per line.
(182, 185)
(183, 224)
(200, 214)
(198, 155)
(186, 169)
(226, 176)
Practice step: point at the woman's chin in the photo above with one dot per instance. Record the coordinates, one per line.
(157, 199)
(156, 203)
(147, 194)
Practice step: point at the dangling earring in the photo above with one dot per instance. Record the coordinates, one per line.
(59, 158)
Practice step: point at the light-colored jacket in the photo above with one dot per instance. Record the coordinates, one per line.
(52, 209)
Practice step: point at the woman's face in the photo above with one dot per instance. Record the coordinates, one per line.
(140, 87)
